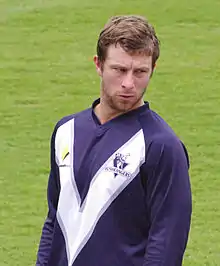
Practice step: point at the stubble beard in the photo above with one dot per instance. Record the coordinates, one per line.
(119, 106)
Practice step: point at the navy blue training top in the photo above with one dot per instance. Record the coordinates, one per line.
(118, 193)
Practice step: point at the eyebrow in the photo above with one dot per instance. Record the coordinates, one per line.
(117, 65)
(124, 66)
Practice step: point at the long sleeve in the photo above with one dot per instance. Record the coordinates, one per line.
(52, 197)
(169, 202)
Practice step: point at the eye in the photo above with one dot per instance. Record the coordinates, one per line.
(139, 71)
(120, 70)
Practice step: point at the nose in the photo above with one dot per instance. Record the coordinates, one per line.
(128, 81)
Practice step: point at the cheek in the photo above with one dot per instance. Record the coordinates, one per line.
(111, 81)
(142, 83)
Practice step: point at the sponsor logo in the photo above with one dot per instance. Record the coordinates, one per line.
(64, 156)
(119, 165)
(65, 153)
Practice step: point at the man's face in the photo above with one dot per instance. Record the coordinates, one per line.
(124, 79)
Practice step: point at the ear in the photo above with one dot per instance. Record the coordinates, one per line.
(98, 65)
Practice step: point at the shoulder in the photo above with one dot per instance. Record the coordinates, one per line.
(160, 139)
(154, 125)
(67, 119)
(165, 142)
(165, 152)
(63, 135)
(64, 125)
(156, 129)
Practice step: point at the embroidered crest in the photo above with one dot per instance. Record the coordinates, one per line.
(119, 164)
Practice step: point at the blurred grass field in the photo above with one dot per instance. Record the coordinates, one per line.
(46, 72)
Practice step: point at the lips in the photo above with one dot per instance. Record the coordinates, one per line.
(126, 96)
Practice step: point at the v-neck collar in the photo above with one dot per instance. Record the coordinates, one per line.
(119, 117)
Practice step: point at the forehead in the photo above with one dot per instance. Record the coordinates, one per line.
(117, 55)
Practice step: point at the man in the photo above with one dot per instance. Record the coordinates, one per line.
(119, 191)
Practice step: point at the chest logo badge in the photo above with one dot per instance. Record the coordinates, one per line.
(119, 165)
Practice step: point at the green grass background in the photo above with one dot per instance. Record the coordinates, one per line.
(46, 72)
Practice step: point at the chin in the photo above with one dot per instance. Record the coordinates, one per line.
(125, 107)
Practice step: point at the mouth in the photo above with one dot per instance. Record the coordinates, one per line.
(126, 96)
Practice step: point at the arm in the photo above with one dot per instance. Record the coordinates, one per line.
(168, 202)
(52, 197)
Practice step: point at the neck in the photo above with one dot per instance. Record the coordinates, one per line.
(105, 113)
